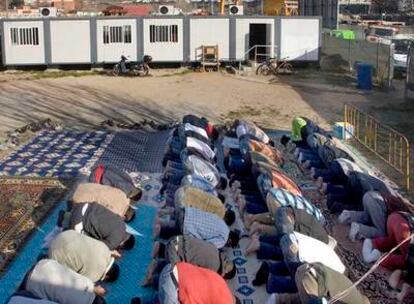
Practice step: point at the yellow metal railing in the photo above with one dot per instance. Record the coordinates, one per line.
(388, 144)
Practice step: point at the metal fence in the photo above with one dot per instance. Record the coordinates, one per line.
(349, 52)
(386, 143)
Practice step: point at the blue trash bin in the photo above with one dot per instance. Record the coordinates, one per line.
(364, 73)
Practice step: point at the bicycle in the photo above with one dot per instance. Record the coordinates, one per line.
(275, 67)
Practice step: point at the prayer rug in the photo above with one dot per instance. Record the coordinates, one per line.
(246, 266)
(23, 205)
(136, 151)
(57, 154)
(133, 263)
(375, 286)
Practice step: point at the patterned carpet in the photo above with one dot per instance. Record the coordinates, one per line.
(24, 203)
(133, 264)
(375, 287)
(247, 267)
(57, 154)
(136, 151)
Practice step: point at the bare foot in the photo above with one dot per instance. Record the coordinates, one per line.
(99, 290)
(242, 205)
(237, 194)
(255, 228)
(324, 187)
(235, 186)
(165, 211)
(306, 164)
(162, 204)
(253, 246)
(405, 290)
(319, 182)
(157, 221)
(116, 254)
(395, 278)
(157, 230)
(290, 147)
(312, 172)
(248, 220)
(155, 250)
(150, 272)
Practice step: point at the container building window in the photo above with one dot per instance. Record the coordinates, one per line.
(24, 36)
(163, 33)
(117, 34)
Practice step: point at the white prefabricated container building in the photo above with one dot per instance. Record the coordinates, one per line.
(209, 31)
(163, 39)
(70, 42)
(94, 41)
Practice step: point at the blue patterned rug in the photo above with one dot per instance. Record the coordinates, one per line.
(247, 266)
(136, 151)
(56, 154)
(133, 264)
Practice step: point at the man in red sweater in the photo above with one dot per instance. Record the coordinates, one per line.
(184, 283)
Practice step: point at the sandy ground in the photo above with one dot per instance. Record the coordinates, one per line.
(80, 102)
(84, 100)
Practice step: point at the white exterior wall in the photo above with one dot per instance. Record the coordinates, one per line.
(299, 39)
(112, 52)
(23, 54)
(242, 35)
(211, 31)
(70, 41)
(164, 51)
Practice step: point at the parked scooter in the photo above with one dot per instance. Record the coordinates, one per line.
(128, 68)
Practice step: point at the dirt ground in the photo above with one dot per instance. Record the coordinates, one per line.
(85, 99)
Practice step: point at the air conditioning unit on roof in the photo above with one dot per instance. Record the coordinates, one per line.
(236, 10)
(166, 10)
(47, 12)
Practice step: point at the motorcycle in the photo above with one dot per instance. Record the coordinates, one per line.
(127, 68)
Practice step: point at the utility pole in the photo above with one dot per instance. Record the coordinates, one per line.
(7, 8)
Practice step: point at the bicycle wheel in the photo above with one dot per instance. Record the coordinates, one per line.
(116, 70)
(286, 68)
(146, 70)
(135, 70)
(263, 69)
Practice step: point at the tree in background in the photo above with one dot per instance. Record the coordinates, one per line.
(385, 6)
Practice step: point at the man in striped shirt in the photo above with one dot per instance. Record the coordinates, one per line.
(276, 198)
(198, 224)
